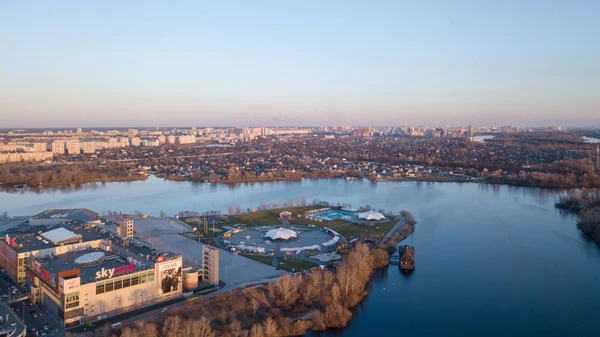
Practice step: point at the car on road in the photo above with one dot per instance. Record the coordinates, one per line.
(164, 310)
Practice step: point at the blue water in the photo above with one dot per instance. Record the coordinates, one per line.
(332, 215)
(490, 260)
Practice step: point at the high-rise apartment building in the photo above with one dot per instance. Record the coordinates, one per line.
(210, 264)
(73, 147)
(126, 227)
(58, 147)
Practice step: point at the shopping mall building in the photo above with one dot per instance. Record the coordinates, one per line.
(90, 284)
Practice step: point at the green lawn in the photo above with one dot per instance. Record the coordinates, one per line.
(260, 258)
(295, 265)
(289, 264)
(271, 217)
(351, 230)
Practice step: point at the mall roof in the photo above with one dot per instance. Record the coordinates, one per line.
(59, 235)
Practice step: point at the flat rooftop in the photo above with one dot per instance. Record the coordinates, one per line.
(65, 262)
(82, 214)
(10, 225)
(30, 242)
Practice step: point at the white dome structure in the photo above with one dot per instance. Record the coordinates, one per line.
(281, 234)
(371, 215)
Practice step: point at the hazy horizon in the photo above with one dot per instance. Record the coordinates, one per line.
(114, 64)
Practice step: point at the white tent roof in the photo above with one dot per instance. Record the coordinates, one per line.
(59, 235)
(371, 215)
(281, 233)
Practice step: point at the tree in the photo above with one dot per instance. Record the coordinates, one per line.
(257, 331)
(235, 328)
(255, 305)
(129, 332)
(230, 210)
(380, 258)
(270, 327)
(287, 290)
(148, 329)
(202, 328)
(223, 315)
(238, 209)
(172, 327)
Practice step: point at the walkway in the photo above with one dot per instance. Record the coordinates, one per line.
(392, 231)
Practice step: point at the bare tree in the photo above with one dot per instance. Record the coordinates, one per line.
(270, 327)
(223, 315)
(235, 328)
(255, 305)
(257, 331)
(202, 328)
(230, 210)
(172, 327)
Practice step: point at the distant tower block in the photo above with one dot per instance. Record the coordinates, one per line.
(285, 218)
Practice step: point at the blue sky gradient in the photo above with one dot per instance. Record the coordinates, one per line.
(151, 63)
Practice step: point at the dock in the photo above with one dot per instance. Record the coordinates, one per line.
(407, 257)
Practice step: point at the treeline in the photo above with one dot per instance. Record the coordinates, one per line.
(587, 203)
(568, 173)
(288, 307)
(578, 200)
(17, 173)
(589, 223)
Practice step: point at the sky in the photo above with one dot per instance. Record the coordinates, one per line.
(304, 62)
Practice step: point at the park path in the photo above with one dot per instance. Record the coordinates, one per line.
(392, 231)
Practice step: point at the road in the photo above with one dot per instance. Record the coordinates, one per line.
(397, 226)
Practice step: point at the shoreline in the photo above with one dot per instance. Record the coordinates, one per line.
(14, 188)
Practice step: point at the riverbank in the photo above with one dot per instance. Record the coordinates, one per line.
(586, 204)
(289, 306)
(491, 180)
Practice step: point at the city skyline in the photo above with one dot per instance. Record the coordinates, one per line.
(310, 64)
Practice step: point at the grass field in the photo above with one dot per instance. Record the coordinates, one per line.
(271, 217)
(295, 265)
(353, 230)
(290, 264)
(260, 258)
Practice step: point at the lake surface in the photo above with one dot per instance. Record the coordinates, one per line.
(490, 260)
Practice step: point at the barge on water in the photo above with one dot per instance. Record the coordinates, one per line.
(407, 257)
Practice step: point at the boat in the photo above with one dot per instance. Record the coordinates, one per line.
(407, 257)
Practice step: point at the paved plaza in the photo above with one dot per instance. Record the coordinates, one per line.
(307, 236)
(163, 233)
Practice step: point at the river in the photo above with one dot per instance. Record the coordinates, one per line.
(491, 260)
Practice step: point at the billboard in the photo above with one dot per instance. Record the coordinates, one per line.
(69, 285)
(169, 276)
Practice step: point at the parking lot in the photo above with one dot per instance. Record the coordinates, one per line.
(163, 233)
